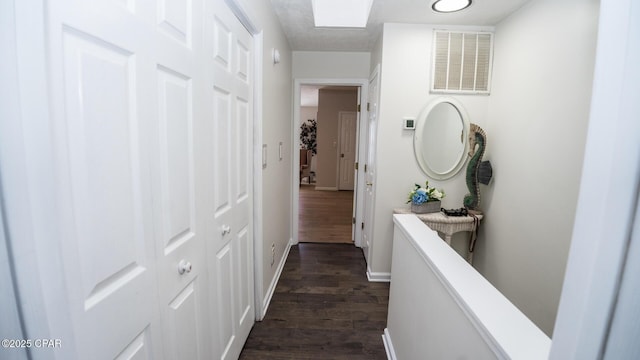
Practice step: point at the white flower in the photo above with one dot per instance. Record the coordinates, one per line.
(437, 194)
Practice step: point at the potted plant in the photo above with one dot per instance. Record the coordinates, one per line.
(425, 199)
(308, 133)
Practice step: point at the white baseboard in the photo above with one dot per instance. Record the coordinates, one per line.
(378, 276)
(326, 188)
(272, 287)
(388, 345)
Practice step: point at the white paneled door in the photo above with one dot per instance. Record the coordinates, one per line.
(229, 62)
(347, 125)
(151, 117)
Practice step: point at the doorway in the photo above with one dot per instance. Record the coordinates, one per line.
(326, 200)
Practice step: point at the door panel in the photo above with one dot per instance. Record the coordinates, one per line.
(347, 122)
(231, 246)
(174, 20)
(225, 298)
(102, 189)
(370, 166)
(182, 320)
(138, 349)
(176, 165)
(179, 221)
(179, 193)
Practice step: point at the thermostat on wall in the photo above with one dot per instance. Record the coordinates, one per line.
(409, 123)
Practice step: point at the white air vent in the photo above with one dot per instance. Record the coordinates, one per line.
(462, 62)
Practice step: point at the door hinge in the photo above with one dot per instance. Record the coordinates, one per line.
(358, 107)
(353, 220)
(356, 165)
(368, 106)
(362, 226)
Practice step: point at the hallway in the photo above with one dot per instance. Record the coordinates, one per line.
(325, 216)
(323, 308)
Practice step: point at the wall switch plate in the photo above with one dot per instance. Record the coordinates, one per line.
(264, 156)
(409, 123)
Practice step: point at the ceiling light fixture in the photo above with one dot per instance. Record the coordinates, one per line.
(447, 6)
(341, 13)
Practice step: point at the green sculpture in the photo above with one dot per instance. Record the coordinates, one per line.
(478, 171)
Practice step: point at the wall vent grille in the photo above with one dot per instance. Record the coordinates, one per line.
(462, 62)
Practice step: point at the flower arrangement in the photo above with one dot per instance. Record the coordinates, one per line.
(420, 195)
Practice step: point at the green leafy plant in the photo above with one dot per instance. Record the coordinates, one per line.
(308, 134)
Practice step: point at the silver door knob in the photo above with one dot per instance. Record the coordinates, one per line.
(184, 267)
(226, 229)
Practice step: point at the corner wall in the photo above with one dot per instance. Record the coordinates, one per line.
(535, 119)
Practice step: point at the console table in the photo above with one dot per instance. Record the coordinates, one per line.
(449, 225)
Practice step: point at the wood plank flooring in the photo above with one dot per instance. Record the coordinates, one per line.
(323, 308)
(324, 216)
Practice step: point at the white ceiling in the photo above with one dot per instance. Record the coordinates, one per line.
(296, 18)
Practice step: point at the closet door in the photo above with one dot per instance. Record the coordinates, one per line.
(122, 80)
(178, 157)
(230, 248)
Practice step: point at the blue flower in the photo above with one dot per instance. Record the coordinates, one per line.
(419, 198)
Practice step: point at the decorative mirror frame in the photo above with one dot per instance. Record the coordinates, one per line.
(419, 142)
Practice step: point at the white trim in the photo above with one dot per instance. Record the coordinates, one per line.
(274, 282)
(26, 168)
(258, 241)
(388, 345)
(249, 21)
(378, 276)
(359, 183)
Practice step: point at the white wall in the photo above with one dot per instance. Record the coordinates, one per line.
(538, 115)
(308, 112)
(330, 65)
(405, 92)
(276, 128)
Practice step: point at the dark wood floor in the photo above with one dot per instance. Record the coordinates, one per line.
(324, 216)
(323, 308)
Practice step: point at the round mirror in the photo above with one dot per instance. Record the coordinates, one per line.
(440, 138)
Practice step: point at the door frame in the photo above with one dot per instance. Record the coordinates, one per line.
(363, 84)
